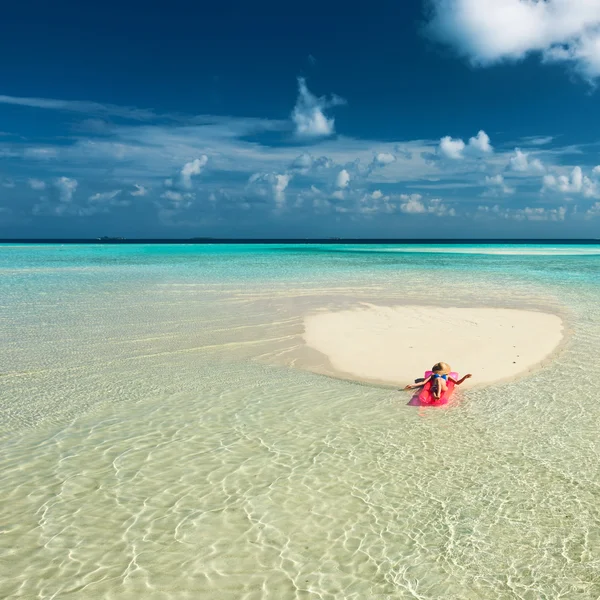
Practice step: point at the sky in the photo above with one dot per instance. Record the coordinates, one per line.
(401, 119)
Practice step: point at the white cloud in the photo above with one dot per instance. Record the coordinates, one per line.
(104, 196)
(308, 115)
(490, 31)
(540, 214)
(455, 149)
(452, 149)
(384, 158)
(575, 183)
(538, 140)
(173, 196)
(524, 214)
(97, 203)
(342, 179)
(376, 195)
(79, 106)
(593, 211)
(271, 184)
(413, 204)
(596, 170)
(484, 208)
(192, 168)
(338, 195)
(302, 163)
(520, 162)
(36, 184)
(279, 187)
(40, 153)
(380, 160)
(497, 185)
(140, 190)
(179, 200)
(439, 209)
(66, 188)
(481, 142)
(323, 162)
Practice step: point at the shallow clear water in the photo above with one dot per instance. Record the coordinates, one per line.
(157, 442)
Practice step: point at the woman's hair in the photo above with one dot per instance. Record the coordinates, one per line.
(441, 366)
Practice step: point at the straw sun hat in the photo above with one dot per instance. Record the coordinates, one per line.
(442, 367)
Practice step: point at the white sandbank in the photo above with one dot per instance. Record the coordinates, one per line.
(396, 344)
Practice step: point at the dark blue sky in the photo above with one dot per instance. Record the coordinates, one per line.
(319, 119)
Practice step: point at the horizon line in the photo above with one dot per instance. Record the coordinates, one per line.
(306, 240)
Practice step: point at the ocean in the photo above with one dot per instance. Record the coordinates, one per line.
(160, 440)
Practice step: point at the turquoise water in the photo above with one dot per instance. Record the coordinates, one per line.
(158, 442)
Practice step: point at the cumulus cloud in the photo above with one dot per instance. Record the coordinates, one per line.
(596, 170)
(522, 163)
(413, 204)
(178, 200)
(380, 160)
(524, 214)
(323, 162)
(575, 183)
(173, 196)
(279, 186)
(451, 148)
(342, 179)
(191, 169)
(140, 190)
(271, 184)
(100, 202)
(305, 163)
(439, 209)
(302, 164)
(456, 149)
(384, 158)
(593, 211)
(497, 185)
(66, 188)
(104, 196)
(36, 184)
(491, 31)
(481, 142)
(309, 116)
(540, 214)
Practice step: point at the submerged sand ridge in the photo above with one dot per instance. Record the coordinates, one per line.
(396, 344)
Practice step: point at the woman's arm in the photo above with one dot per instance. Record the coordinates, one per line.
(461, 380)
(412, 386)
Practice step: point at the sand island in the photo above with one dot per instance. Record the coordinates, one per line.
(395, 344)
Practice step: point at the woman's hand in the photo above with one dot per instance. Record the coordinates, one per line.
(408, 387)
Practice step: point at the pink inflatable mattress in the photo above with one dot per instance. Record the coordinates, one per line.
(425, 397)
